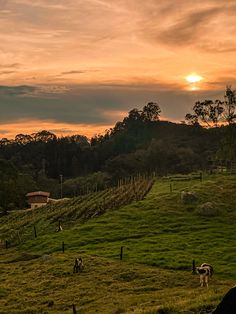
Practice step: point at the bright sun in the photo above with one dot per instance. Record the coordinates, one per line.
(193, 78)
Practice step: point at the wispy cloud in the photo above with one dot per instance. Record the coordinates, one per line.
(10, 66)
(7, 72)
(78, 72)
(33, 91)
(16, 90)
(73, 72)
(54, 5)
(188, 28)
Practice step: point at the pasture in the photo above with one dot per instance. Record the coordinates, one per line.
(160, 236)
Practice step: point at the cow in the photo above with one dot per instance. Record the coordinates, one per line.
(205, 271)
(210, 267)
(78, 266)
(59, 227)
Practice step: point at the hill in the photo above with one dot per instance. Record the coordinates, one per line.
(44, 162)
(160, 236)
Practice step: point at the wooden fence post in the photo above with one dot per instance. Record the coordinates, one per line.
(74, 309)
(193, 267)
(121, 253)
(200, 177)
(104, 202)
(35, 233)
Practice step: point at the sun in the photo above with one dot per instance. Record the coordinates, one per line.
(193, 78)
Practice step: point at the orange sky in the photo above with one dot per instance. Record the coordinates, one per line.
(81, 65)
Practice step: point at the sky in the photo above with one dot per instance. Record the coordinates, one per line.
(79, 66)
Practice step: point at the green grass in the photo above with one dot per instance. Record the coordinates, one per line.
(47, 285)
(160, 235)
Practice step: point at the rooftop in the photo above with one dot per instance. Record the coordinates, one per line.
(38, 193)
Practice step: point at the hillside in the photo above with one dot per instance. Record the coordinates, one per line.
(160, 236)
(134, 146)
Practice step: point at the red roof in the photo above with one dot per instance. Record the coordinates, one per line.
(38, 193)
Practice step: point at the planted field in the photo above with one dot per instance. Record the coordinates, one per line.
(160, 235)
(18, 226)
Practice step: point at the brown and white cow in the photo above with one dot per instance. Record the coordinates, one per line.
(78, 266)
(205, 271)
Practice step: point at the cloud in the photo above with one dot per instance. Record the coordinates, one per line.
(208, 27)
(10, 65)
(94, 104)
(16, 90)
(3, 132)
(11, 129)
(188, 28)
(78, 72)
(32, 91)
(7, 72)
(90, 61)
(73, 72)
(53, 5)
(91, 110)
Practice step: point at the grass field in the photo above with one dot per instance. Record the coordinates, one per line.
(160, 236)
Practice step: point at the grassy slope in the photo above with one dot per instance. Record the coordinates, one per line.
(161, 236)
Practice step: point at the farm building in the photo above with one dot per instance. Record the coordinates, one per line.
(37, 199)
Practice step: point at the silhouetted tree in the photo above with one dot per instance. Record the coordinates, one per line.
(230, 105)
(44, 136)
(151, 112)
(206, 112)
(210, 113)
(23, 139)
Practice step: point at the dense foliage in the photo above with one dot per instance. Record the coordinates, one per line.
(141, 143)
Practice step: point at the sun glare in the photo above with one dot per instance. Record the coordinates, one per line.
(193, 78)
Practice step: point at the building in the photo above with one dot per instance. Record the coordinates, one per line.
(37, 199)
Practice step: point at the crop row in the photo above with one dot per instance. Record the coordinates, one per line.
(18, 226)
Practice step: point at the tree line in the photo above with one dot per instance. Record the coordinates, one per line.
(140, 143)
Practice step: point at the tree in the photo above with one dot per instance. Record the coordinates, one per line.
(151, 112)
(79, 139)
(44, 136)
(192, 119)
(207, 113)
(210, 113)
(230, 105)
(4, 142)
(8, 175)
(23, 139)
(133, 118)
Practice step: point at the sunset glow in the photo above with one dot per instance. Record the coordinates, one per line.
(84, 62)
(194, 78)
(9, 130)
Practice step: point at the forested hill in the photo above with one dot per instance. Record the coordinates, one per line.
(141, 143)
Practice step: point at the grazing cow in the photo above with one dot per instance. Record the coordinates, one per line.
(78, 266)
(228, 303)
(205, 271)
(59, 227)
(210, 267)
